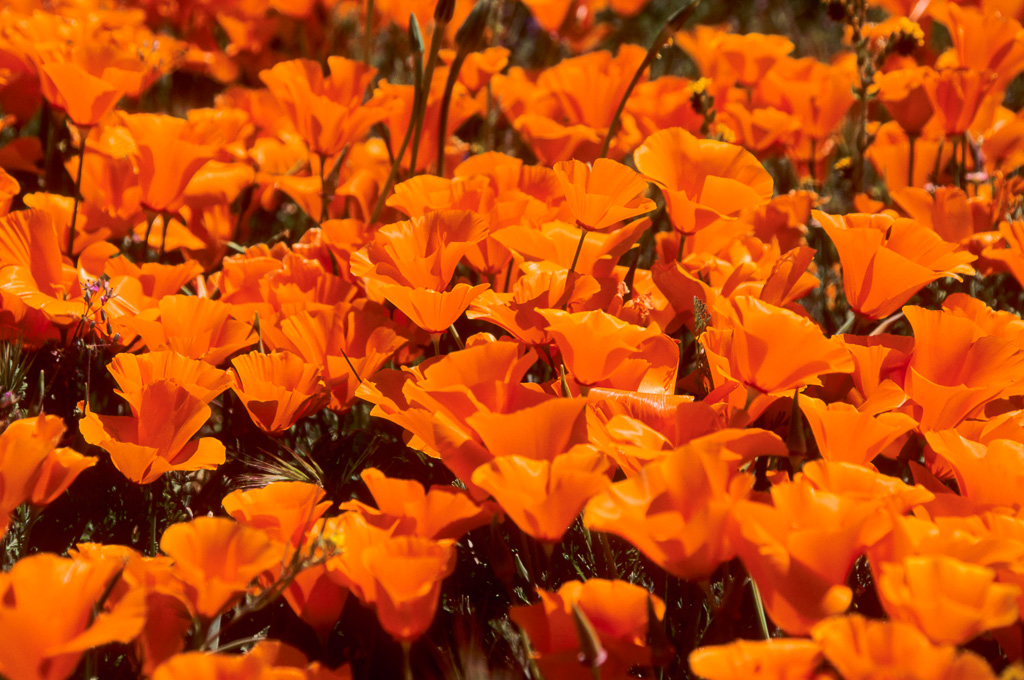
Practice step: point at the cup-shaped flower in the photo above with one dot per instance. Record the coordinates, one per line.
(763, 659)
(602, 196)
(196, 327)
(677, 511)
(617, 612)
(950, 601)
(218, 559)
(47, 617)
(755, 344)
(703, 180)
(845, 433)
(285, 511)
(543, 497)
(433, 311)
(157, 437)
(85, 97)
(134, 371)
(864, 649)
(167, 158)
(886, 260)
(277, 389)
(442, 512)
(407, 573)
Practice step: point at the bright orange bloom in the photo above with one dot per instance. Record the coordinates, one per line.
(730, 58)
(948, 600)
(957, 96)
(752, 345)
(800, 550)
(676, 510)
(702, 179)
(904, 95)
(543, 497)
(406, 509)
(863, 649)
(433, 311)
(948, 211)
(957, 367)
(284, 511)
(218, 559)
(157, 437)
(407, 574)
(205, 666)
(196, 327)
(602, 196)
(133, 372)
(9, 188)
(328, 112)
(46, 615)
(986, 40)
(618, 615)
(168, 158)
(277, 389)
(422, 252)
(33, 269)
(86, 98)
(847, 433)
(989, 473)
(886, 260)
(32, 468)
(785, 659)
(595, 344)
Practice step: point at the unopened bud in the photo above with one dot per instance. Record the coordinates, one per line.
(592, 653)
(444, 11)
(471, 34)
(415, 36)
(681, 16)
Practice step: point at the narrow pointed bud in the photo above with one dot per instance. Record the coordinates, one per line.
(681, 16)
(592, 653)
(471, 35)
(444, 10)
(415, 36)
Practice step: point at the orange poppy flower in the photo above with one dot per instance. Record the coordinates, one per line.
(948, 211)
(277, 389)
(957, 96)
(284, 511)
(431, 310)
(746, 345)
(702, 179)
(218, 559)
(32, 267)
(407, 574)
(863, 649)
(730, 58)
(886, 260)
(328, 112)
(617, 612)
(422, 252)
(986, 40)
(356, 336)
(956, 367)
(205, 666)
(761, 660)
(904, 95)
(819, 95)
(889, 152)
(987, 472)
(479, 67)
(602, 196)
(407, 510)
(32, 468)
(800, 550)
(198, 328)
(157, 437)
(167, 158)
(48, 616)
(133, 372)
(543, 497)
(846, 433)
(86, 98)
(9, 188)
(595, 344)
(676, 510)
(950, 601)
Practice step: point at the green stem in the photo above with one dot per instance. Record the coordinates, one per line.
(367, 32)
(579, 247)
(78, 193)
(910, 163)
(759, 606)
(424, 95)
(446, 100)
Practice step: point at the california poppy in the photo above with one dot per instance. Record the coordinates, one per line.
(602, 196)
(48, 615)
(277, 389)
(619, 618)
(433, 311)
(86, 98)
(702, 179)
(742, 659)
(218, 559)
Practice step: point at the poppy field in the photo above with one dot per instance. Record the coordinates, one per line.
(564, 339)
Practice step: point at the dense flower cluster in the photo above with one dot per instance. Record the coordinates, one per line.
(342, 338)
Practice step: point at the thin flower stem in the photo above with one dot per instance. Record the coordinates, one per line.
(759, 606)
(910, 161)
(368, 32)
(323, 193)
(456, 338)
(406, 661)
(424, 93)
(579, 247)
(446, 100)
(78, 193)
(672, 24)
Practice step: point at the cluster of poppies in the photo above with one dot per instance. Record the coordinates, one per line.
(460, 322)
